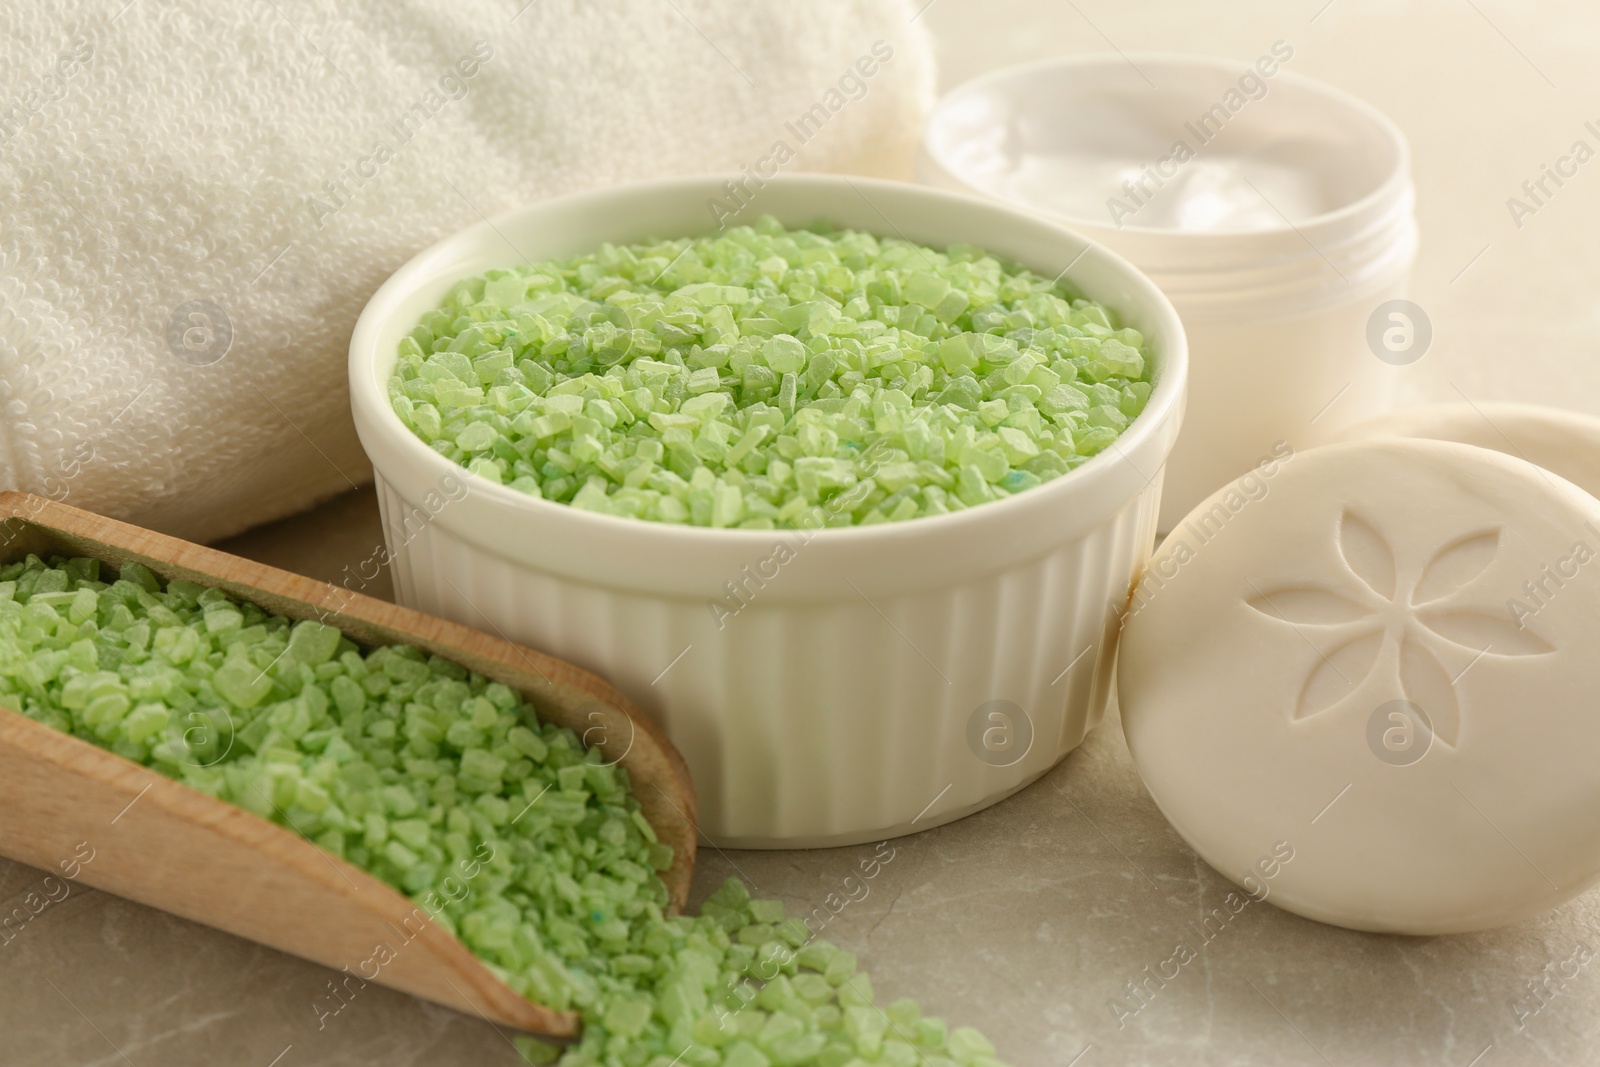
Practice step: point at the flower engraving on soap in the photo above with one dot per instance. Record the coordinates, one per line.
(1373, 614)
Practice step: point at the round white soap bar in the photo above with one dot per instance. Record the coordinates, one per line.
(1361, 682)
(1564, 442)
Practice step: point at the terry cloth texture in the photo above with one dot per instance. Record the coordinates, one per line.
(197, 198)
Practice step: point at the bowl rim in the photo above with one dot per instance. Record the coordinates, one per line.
(1391, 187)
(374, 413)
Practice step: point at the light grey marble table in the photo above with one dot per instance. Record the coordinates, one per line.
(1048, 920)
(1033, 918)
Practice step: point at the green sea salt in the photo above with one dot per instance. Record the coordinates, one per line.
(768, 378)
(503, 828)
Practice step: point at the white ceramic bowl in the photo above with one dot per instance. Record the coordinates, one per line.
(886, 678)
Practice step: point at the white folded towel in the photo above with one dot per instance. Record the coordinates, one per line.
(197, 198)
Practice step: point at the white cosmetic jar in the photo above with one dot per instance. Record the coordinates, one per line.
(879, 680)
(1275, 212)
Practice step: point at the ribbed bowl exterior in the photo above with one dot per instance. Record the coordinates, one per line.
(830, 722)
(845, 685)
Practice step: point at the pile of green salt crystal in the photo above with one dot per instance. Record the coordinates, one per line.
(516, 839)
(768, 378)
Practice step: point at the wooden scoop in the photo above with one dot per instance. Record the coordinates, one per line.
(163, 844)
